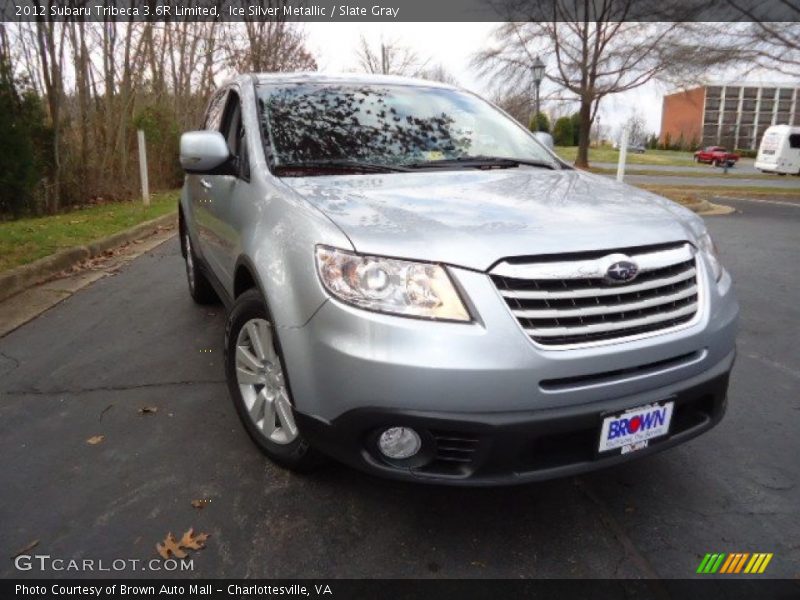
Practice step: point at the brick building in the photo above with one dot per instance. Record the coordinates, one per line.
(731, 115)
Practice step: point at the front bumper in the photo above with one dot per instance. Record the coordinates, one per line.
(514, 447)
(525, 412)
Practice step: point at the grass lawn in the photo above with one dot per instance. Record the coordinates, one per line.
(26, 240)
(731, 174)
(687, 194)
(608, 154)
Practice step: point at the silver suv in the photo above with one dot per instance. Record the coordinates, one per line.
(421, 289)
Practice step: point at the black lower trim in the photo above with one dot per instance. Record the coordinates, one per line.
(506, 448)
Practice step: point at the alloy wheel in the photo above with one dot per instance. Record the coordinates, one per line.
(262, 384)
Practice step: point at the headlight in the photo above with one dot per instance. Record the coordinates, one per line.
(390, 285)
(707, 245)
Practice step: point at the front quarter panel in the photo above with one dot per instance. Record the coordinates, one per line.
(279, 241)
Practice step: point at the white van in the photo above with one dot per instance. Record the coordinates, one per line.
(780, 150)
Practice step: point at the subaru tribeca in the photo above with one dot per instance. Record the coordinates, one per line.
(419, 288)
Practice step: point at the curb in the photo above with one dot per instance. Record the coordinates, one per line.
(704, 208)
(25, 276)
(717, 210)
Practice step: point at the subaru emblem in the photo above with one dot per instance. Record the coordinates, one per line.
(622, 271)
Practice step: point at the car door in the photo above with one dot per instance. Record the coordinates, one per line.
(228, 193)
(199, 185)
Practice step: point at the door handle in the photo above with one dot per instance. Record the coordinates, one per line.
(206, 183)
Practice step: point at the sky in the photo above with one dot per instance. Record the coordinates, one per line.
(453, 44)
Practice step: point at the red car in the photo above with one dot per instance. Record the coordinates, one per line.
(715, 155)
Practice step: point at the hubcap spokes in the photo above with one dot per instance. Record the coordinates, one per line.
(261, 382)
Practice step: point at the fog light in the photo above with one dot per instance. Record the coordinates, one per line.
(399, 443)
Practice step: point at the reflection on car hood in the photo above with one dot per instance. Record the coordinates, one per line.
(475, 218)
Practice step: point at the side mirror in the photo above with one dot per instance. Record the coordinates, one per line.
(204, 152)
(545, 139)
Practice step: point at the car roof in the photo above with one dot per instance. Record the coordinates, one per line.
(343, 78)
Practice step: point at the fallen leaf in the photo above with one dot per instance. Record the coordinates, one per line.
(201, 503)
(95, 439)
(148, 410)
(177, 548)
(24, 550)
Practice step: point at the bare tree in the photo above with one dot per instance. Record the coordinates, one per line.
(516, 104)
(267, 46)
(637, 129)
(100, 81)
(50, 44)
(438, 73)
(775, 45)
(390, 59)
(593, 52)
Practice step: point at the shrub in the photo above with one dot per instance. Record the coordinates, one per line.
(540, 123)
(23, 153)
(563, 132)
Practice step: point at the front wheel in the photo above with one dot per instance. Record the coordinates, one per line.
(254, 369)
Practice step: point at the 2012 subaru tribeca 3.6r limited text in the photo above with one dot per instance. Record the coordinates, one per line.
(421, 289)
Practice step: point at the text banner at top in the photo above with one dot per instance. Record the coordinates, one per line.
(400, 10)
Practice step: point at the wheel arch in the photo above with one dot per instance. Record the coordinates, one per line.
(246, 277)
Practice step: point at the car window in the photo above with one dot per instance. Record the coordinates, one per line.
(794, 140)
(387, 124)
(233, 131)
(214, 112)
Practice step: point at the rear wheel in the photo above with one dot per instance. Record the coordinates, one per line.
(254, 368)
(199, 287)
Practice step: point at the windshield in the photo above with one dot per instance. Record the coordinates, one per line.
(316, 124)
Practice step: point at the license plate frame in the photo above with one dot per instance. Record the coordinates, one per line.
(645, 431)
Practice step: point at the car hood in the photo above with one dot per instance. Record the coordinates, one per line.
(474, 218)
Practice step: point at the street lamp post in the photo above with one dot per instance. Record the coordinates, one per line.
(537, 69)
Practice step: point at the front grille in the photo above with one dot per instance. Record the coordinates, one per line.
(569, 301)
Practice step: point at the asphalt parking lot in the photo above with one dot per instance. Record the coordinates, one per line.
(86, 367)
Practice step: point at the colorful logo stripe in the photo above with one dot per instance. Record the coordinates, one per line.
(736, 562)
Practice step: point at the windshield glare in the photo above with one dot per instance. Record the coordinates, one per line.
(386, 125)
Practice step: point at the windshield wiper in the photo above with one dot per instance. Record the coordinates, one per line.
(336, 163)
(478, 162)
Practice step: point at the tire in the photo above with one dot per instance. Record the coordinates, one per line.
(258, 387)
(200, 289)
